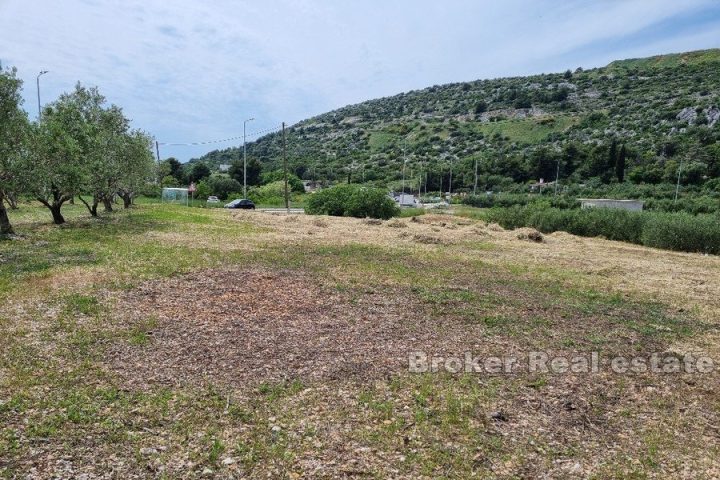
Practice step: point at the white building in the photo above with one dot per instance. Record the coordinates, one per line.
(631, 205)
(406, 200)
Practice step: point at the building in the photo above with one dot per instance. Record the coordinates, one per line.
(406, 199)
(630, 205)
(224, 168)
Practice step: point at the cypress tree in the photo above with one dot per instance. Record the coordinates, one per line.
(612, 154)
(620, 165)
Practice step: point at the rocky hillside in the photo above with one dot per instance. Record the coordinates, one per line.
(663, 110)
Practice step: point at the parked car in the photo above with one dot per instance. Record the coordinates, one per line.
(241, 203)
(213, 199)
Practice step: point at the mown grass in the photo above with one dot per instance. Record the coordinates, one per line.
(55, 395)
(672, 231)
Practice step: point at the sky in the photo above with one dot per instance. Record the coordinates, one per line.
(193, 71)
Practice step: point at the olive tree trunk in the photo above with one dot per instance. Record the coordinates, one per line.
(5, 226)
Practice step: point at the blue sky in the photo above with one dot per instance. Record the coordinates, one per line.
(189, 71)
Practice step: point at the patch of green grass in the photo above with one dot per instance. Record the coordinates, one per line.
(411, 212)
(527, 130)
(445, 296)
(82, 304)
(139, 334)
(275, 391)
(217, 448)
(380, 140)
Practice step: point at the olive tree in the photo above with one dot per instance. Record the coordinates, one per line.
(102, 163)
(13, 134)
(138, 165)
(61, 142)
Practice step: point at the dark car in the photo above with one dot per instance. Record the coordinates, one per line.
(241, 203)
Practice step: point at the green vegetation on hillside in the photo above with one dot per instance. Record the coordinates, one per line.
(662, 112)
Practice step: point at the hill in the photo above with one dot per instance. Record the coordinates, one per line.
(663, 110)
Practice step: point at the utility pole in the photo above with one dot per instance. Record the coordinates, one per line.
(403, 172)
(245, 158)
(157, 150)
(38, 91)
(441, 182)
(285, 173)
(420, 174)
(677, 187)
(450, 186)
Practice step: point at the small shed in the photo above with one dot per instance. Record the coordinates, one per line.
(630, 205)
(406, 200)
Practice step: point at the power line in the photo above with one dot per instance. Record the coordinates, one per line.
(208, 142)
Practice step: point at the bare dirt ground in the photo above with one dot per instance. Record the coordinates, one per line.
(244, 327)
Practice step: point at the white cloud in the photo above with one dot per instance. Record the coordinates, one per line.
(190, 70)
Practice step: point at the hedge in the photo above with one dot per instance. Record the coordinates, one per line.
(672, 231)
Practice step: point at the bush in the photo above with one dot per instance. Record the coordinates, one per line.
(684, 232)
(203, 190)
(222, 187)
(598, 222)
(150, 190)
(672, 231)
(371, 202)
(513, 199)
(352, 201)
(294, 182)
(270, 194)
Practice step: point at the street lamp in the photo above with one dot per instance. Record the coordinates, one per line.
(245, 158)
(38, 90)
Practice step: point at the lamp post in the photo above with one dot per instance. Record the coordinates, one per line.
(38, 90)
(245, 158)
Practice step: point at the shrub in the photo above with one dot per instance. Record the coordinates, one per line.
(222, 187)
(294, 182)
(331, 201)
(270, 194)
(509, 218)
(352, 201)
(684, 232)
(672, 231)
(510, 199)
(203, 190)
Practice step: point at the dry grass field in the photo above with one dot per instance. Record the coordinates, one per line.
(167, 342)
